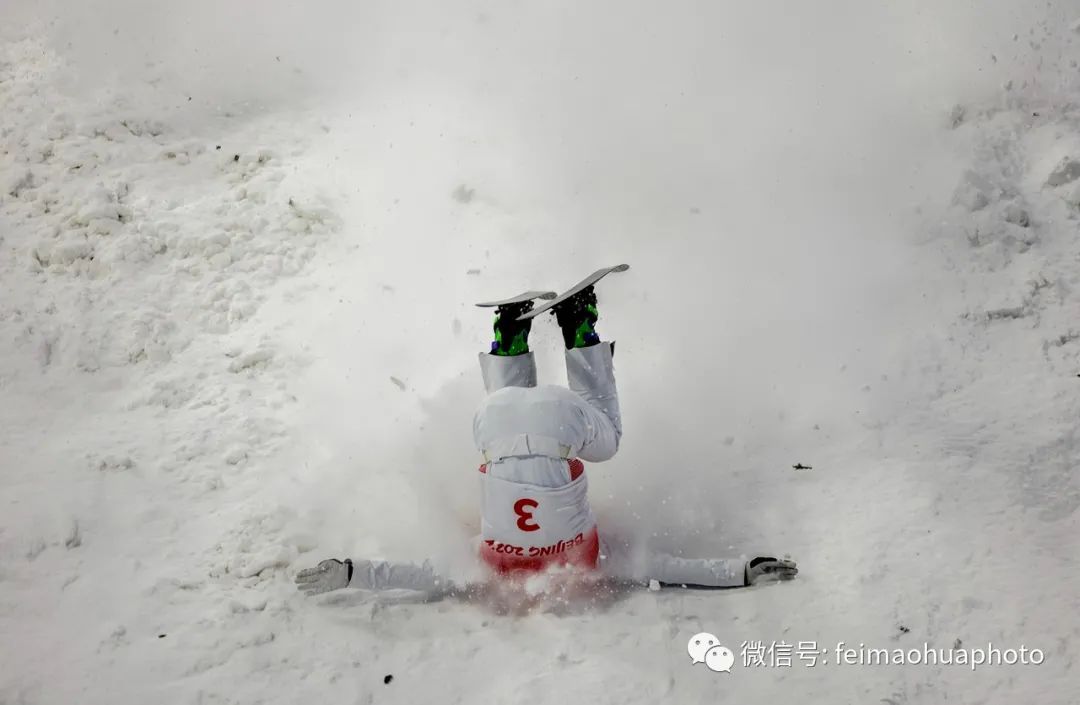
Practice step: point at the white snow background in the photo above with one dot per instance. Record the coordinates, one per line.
(239, 247)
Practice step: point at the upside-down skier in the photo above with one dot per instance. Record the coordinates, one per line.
(535, 513)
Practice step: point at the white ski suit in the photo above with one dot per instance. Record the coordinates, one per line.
(534, 503)
(534, 490)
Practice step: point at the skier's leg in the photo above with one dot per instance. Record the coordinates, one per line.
(590, 374)
(509, 363)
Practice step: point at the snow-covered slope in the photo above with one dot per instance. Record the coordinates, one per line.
(235, 286)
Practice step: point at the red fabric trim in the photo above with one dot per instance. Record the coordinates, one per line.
(577, 468)
(583, 555)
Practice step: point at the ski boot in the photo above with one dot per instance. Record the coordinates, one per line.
(511, 335)
(577, 317)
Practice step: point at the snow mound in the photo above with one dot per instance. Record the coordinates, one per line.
(147, 225)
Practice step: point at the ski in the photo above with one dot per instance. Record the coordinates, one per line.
(520, 298)
(587, 281)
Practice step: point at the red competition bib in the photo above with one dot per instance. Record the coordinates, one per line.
(529, 528)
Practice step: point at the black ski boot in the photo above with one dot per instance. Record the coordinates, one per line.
(577, 317)
(511, 335)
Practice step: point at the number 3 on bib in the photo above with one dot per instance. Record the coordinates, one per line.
(525, 521)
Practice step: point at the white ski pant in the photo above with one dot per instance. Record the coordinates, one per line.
(520, 422)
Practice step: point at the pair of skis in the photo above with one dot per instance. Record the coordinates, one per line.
(553, 299)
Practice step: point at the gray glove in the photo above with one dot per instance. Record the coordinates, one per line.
(330, 574)
(765, 568)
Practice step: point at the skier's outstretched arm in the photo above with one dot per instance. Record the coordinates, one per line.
(666, 569)
(333, 574)
(704, 572)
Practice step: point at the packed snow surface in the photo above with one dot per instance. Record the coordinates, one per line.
(238, 253)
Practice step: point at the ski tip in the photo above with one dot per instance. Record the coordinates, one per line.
(587, 281)
(525, 296)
